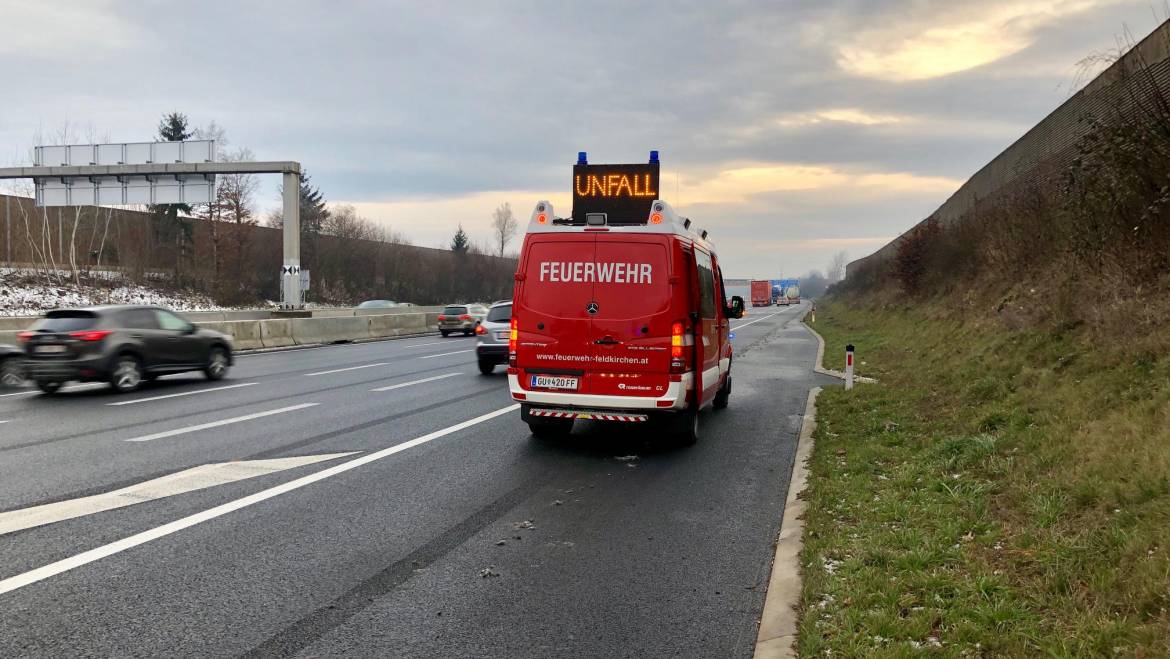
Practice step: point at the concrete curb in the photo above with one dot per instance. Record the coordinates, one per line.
(778, 622)
(819, 367)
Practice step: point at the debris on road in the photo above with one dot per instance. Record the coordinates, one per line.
(488, 572)
(501, 543)
(625, 458)
(558, 502)
(526, 524)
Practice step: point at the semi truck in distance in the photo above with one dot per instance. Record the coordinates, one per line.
(793, 294)
(761, 290)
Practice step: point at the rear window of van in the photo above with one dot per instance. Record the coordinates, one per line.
(454, 311)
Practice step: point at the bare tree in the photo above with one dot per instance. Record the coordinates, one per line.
(503, 226)
(836, 270)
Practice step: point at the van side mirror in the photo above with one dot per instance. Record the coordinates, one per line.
(736, 308)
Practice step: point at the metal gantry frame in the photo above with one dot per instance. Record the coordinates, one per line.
(290, 272)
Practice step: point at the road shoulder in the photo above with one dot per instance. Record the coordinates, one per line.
(778, 623)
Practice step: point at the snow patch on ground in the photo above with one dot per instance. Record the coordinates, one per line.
(22, 294)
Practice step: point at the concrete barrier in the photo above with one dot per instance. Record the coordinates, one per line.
(245, 333)
(286, 332)
(16, 323)
(276, 333)
(310, 331)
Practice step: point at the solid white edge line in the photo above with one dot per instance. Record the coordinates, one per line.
(181, 482)
(39, 574)
(182, 393)
(414, 382)
(444, 354)
(216, 424)
(342, 370)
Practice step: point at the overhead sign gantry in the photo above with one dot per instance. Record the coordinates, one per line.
(159, 173)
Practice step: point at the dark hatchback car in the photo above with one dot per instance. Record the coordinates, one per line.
(122, 345)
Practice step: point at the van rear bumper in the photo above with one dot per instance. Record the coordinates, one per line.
(676, 395)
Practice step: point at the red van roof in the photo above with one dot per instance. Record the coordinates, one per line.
(662, 219)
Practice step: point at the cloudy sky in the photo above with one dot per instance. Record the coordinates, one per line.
(791, 129)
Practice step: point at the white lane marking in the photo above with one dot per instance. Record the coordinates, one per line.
(342, 370)
(444, 354)
(414, 382)
(435, 343)
(755, 321)
(75, 387)
(32, 576)
(19, 393)
(189, 480)
(216, 424)
(182, 393)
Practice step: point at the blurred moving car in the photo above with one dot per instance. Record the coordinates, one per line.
(493, 333)
(11, 366)
(378, 304)
(461, 318)
(122, 345)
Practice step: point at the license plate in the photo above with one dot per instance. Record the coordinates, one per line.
(46, 350)
(502, 336)
(554, 382)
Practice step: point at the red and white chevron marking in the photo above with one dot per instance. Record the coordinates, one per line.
(592, 416)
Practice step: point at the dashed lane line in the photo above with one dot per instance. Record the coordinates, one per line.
(343, 370)
(414, 382)
(182, 393)
(216, 424)
(445, 354)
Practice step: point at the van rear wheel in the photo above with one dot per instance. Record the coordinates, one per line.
(723, 396)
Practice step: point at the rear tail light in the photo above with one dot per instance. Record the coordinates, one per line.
(442, 317)
(25, 336)
(513, 334)
(90, 336)
(679, 339)
(480, 330)
(465, 317)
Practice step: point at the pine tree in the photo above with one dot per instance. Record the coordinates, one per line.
(313, 217)
(170, 228)
(460, 244)
(173, 128)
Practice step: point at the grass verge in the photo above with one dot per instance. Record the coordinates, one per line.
(997, 494)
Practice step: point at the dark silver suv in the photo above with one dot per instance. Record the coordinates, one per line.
(122, 345)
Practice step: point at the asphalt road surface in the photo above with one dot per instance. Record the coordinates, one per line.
(384, 499)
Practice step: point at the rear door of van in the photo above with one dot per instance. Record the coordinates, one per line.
(634, 312)
(551, 310)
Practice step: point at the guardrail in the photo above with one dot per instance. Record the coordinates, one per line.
(285, 332)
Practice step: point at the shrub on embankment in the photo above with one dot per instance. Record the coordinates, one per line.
(1087, 243)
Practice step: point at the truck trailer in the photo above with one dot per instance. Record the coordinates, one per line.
(761, 293)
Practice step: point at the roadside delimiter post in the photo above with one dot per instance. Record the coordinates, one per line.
(849, 366)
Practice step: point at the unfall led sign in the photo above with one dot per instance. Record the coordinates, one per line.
(622, 192)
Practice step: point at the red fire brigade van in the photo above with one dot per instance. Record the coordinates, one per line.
(619, 321)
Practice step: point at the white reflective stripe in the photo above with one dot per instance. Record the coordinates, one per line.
(724, 365)
(711, 376)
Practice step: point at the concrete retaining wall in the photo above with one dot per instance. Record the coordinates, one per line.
(1131, 85)
(285, 332)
